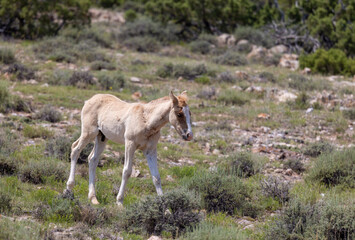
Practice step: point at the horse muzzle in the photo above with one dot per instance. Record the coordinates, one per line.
(188, 136)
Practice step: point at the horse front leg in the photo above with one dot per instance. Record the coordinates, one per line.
(130, 148)
(151, 155)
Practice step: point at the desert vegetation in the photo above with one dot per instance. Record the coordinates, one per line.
(271, 92)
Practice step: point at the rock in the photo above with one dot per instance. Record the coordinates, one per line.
(242, 42)
(279, 49)
(180, 79)
(241, 75)
(135, 173)
(309, 110)
(284, 96)
(155, 238)
(136, 95)
(169, 178)
(289, 61)
(216, 151)
(257, 53)
(306, 71)
(166, 148)
(135, 80)
(256, 89)
(225, 40)
(278, 170)
(32, 81)
(289, 172)
(101, 15)
(108, 172)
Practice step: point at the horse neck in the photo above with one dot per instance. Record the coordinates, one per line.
(157, 113)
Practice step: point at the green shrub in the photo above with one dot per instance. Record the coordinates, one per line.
(29, 24)
(203, 80)
(231, 58)
(182, 70)
(49, 113)
(130, 15)
(226, 77)
(200, 46)
(349, 114)
(254, 36)
(10, 102)
(301, 102)
(233, 97)
(60, 77)
(221, 193)
(243, 48)
(7, 55)
(174, 212)
(5, 203)
(244, 164)
(99, 65)
(20, 71)
(60, 148)
(334, 168)
(267, 77)
(166, 70)
(81, 79)
(145, 28)
(183, 171)
(300, 83)
(36, 171)
(8, 165)
(37, 132)
(8, 142)
(206, 230)
(333, 62)
(295, 164)
(142, 44)
(17, 230)
(275, 188)
(329, 219)
(115, 81)
(92, 36)
(318, 148)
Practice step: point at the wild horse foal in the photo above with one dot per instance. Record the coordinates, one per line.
(137, 125)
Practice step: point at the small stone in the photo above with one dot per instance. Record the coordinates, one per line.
(108, 172)
(45, 85)
(135, 173)
(278, 170)
(155, 238)
(309, 110)
(216, 151)
(289, 172)
(169, 178)
(135, 80)
(166, 148)
(180, 78)
(306, 71)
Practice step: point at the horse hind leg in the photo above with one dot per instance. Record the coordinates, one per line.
(76, 149)
(100, 143)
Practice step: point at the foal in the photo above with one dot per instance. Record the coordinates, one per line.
(136, 125)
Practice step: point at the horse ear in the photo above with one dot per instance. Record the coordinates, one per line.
(184, 94)
(173, 99)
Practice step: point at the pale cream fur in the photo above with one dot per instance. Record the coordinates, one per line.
(137, 125)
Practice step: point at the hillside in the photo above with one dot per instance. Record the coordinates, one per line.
(273, 153)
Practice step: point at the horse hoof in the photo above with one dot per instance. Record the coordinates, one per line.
(94, 201)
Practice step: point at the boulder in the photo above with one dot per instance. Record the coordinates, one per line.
(289, 61)
(101, 15)
(257, 53)
(279, 49)
(306, 71)
(284, 96)
(242, 42)
(226, 40)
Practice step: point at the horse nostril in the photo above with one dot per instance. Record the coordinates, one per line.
(189, 136)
